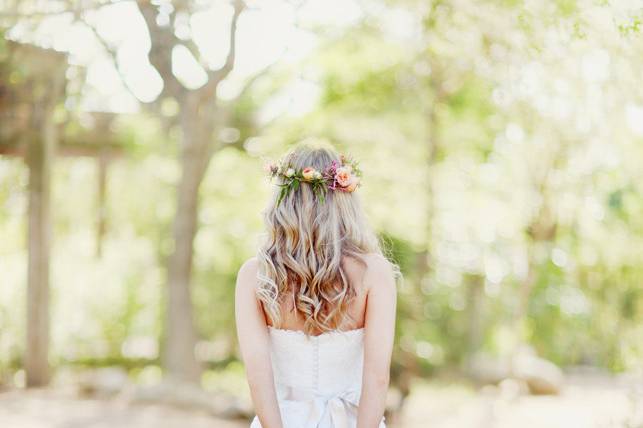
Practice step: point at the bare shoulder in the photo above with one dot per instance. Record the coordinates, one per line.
(379, 272)
(378, 264)
(247, 276)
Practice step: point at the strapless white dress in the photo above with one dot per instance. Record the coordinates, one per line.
(318, 379)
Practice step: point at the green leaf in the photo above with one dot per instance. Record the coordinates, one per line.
(282, 194)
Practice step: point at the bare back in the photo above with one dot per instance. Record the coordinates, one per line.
(355, 271)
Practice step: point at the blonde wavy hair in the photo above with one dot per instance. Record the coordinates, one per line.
(305, 243)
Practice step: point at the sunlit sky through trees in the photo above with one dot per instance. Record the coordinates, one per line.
(269, 31)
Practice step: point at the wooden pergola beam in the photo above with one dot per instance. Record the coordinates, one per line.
(96, 141)
(68, 149)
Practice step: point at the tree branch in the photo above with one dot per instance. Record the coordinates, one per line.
(73, 7)
(252, 79)
(185, 6)
(216, 76)
(162, 42)
(112, 54)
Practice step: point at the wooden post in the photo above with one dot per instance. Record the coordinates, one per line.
(40, 154)
(101, 225)
(39, 160)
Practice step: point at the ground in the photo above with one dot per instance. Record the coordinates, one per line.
(53, 409)
(588, 402)
(584, 403)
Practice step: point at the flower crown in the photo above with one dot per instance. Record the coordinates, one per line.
(343, 176)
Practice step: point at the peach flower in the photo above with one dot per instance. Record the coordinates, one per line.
(343, 176)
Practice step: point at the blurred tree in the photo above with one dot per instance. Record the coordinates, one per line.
(200, 119)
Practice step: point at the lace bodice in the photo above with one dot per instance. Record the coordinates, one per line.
(317, 378)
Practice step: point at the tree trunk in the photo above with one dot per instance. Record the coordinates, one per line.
(425, 263)
(541, 236)
(179, 358)
(475, 300)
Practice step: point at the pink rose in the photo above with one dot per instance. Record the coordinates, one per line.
(270, 168)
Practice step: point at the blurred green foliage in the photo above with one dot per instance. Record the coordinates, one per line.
(535, 183)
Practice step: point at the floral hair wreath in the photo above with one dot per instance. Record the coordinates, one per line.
(343, 176)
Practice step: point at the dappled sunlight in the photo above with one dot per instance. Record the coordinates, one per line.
(500, 142)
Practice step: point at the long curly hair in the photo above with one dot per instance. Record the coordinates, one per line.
(305, 243)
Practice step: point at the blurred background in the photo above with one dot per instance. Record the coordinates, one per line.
(501, 143)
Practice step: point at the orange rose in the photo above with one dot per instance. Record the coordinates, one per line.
(343, 176)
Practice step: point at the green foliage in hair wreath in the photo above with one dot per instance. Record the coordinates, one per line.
(293, 181)
(341, 176)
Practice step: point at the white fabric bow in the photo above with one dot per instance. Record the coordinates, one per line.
(339, 411)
